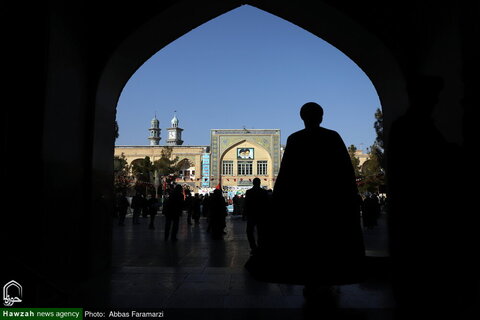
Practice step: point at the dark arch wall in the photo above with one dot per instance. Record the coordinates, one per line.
(70, 60)
(328, 23)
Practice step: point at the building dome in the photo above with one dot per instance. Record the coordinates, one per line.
(154, 131)
(175, 122)
(155, 122)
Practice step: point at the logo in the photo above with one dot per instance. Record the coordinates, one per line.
(12, 292)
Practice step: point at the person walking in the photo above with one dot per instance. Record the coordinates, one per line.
(189, 206)
(196, 208)
(137, 206)
(256, 206)
(122, 204)
(218, 213)
(316, 237)
(173, 210)
(152, 207)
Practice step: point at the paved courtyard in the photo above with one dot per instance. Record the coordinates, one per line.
(202, 274)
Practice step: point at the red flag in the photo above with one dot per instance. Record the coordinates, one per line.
(218, 187)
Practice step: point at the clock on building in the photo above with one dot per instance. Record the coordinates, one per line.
(174, 133)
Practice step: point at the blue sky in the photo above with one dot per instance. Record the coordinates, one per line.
(247, 68)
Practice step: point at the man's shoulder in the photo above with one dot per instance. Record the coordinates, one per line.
(308, 132)
(298, 133)
(327, 131)
(255, 190)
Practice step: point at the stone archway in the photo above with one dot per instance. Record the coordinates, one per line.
(78, 73)
(352, 39)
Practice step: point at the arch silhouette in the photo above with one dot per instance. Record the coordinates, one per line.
(363, 48)
(239, 143)
(185, 162)
(136, 159)
(82, 72)
(242, 177)
(329, 24)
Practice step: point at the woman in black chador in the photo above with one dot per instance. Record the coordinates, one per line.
(314, 233)
(218, 213)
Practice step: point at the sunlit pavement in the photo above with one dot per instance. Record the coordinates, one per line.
(197, 272)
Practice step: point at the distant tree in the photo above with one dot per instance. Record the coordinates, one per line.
(122, 179)
(184, 163)
(143, 171)
(372, 171)
(166, 165)
(355, 160)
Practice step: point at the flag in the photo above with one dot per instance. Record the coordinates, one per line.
(218, 187)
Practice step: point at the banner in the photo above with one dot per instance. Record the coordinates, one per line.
(205, 170)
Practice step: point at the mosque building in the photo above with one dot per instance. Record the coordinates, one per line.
(240, 155)
(232, 160)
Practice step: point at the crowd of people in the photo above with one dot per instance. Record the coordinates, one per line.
(176, 202)
(251, 207)
(371, 206)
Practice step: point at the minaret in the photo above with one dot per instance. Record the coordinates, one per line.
(174, 133)
(154, 132)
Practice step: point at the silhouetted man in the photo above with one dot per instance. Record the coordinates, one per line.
(431, 231)
(123, 205)
(317, 232)
(152, 208)
(137, 206)
(173, 210)
(256, 202)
